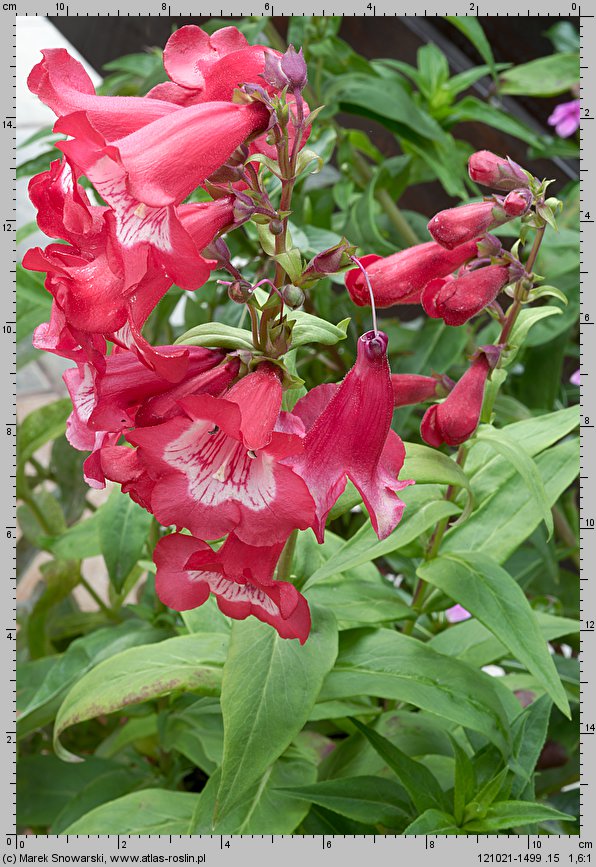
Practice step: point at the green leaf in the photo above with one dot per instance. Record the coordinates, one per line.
(152, 811)
(464, 780)
(547, 292)
(529, 741)
(38, 164)
(355, 602)
(387, 99)
(472, 30)
(547, 76)
(420, 784)
(477, 808)
(474, 110)
(269, 686)
(291, 261)
(34, 302)
(266, 808)
(524, 465)
(79, 541)
(472, 642)
(525, 321)
(196, 731)
(428, 466)
(433, 822)
(564, 36)
(372, 800)
(214, 334)
(105, 787)
(192, 662)
(123, 529)
(40, 426)
(312, 329)
(491, 595)
(390, 665)
(505, 519)
(45, 785)
(512, 814)
(421, 513)
(82, 654)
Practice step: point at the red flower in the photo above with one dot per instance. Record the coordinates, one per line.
(61, 83)
(455, 300)
(109, 400)
(349, 435)
(400, 278)
(501, 173)
(456, 226)
(238, 575)
(517, 202)
(219, 469)
(205, 68)
(455, 420)
(410, 388)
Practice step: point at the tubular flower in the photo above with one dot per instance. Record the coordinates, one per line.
(566, 118)
(457, 299)
(238, 575)
(410, 388)
(455, 420)
(220, 468)
(205, 68)
(108, 401)
(456, 226)
(400, 278)
(348, 434)
(501, 173)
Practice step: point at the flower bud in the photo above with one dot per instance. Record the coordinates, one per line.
(489, 247)
(240, 291)
(457, 299)
(244, 207)
(517, 202)
(490, 170)
(455, 420)
(410, 388)
(276, 227)
(455, 226)
(293, 296)
(330, 261)
(272, 73)
(293, 67)
(400, 278)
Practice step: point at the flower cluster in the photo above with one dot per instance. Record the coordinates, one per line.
(196, 434)
(454, 277)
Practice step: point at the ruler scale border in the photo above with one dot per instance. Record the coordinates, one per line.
(294, 848)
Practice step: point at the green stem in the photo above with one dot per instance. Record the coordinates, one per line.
(284, 566)
(96, 598)
(401, 225)
(432, 549)
(519, 292)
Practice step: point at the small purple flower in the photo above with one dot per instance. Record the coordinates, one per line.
(456, 614)
(574, 378)
(565, 118)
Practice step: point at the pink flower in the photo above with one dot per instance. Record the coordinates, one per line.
(410, 388)
(459, 225)
(400, 278)
(457, 299)
(349, 435)
(575, 378)
(61, 83)
(109, 400)
(455, 420)
(108, 285)
(565, 118)
(517, 202)
(238, 575)
(205, 68)
(501, 173)
(457, 613)
(220, 469)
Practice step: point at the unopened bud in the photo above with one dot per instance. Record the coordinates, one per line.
(501, 173)
(240, 291)
(272, 73)
(244, 207)
(489, 247)
(276, 227)
(517, 202)
(293, 296)
(293, 67)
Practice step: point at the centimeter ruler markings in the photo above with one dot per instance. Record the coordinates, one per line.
(200, 849)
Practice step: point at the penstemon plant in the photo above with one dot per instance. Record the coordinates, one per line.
(240, 460)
